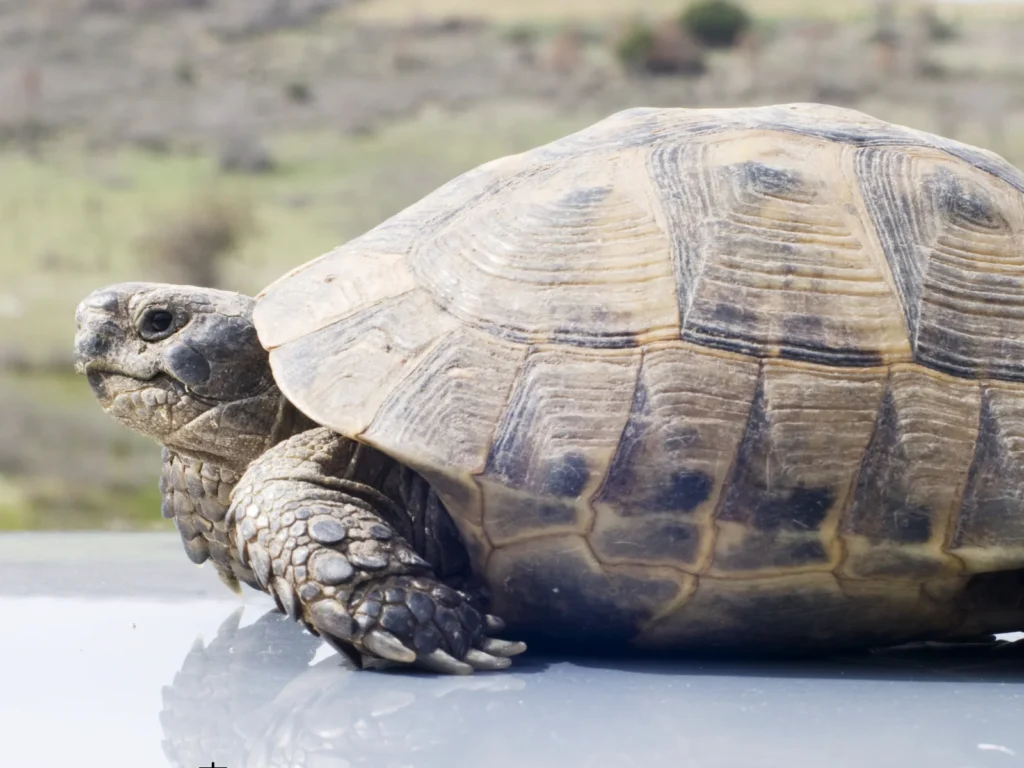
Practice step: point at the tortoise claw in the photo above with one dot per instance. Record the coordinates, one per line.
(480, 660)
(387, 646)
(502, 647)
(439, 661)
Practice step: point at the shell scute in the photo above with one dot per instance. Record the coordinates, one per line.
(549, 453)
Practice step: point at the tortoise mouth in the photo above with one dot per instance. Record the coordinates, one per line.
(98, 384)
(108, 386)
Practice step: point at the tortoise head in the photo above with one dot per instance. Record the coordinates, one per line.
(181, 364)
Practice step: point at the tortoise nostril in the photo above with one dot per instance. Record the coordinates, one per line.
(90, 346)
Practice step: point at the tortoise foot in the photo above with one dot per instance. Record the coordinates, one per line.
(332, 561)
(416, 620)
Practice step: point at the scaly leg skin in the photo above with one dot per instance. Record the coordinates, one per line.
(323, 542)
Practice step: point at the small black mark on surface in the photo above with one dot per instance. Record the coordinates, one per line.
(768, 180)
(812, 551)
(800, 509)
(913, 524)
(567, 476)
(683, 491)
(731, 314)
(798, 328)
(586, 197)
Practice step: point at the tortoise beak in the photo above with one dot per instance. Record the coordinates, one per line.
(96, 328)
(99, 334)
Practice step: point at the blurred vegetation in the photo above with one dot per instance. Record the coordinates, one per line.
(937, 28)
(716, 23)
(61, 466)
(636, 44)
(219, 143)
(190, 246)
(661, 48)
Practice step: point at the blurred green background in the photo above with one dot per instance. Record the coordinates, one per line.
(222, 142)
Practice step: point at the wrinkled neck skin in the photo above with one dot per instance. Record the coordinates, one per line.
(229, 435)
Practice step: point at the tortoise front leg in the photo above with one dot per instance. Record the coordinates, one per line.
(330, 560)
(197, 495)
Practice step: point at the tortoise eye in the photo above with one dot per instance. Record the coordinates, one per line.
(156, 324)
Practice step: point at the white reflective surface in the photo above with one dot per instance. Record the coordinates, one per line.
(100, 665)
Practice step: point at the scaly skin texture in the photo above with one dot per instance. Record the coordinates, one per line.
(318, 535)
(196, 495)
(335, 531)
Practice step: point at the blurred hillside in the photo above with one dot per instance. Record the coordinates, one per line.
(224, 141)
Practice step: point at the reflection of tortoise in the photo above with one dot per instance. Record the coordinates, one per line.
(748, 379)
(251, 698)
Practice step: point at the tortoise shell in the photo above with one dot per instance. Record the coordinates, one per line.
(688, 366)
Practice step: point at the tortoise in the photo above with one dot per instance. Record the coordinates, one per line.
(744, 380)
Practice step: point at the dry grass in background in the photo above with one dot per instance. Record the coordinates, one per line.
(223, 142)
(401, 11)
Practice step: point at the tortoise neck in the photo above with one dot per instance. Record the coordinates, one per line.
(234, 434)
